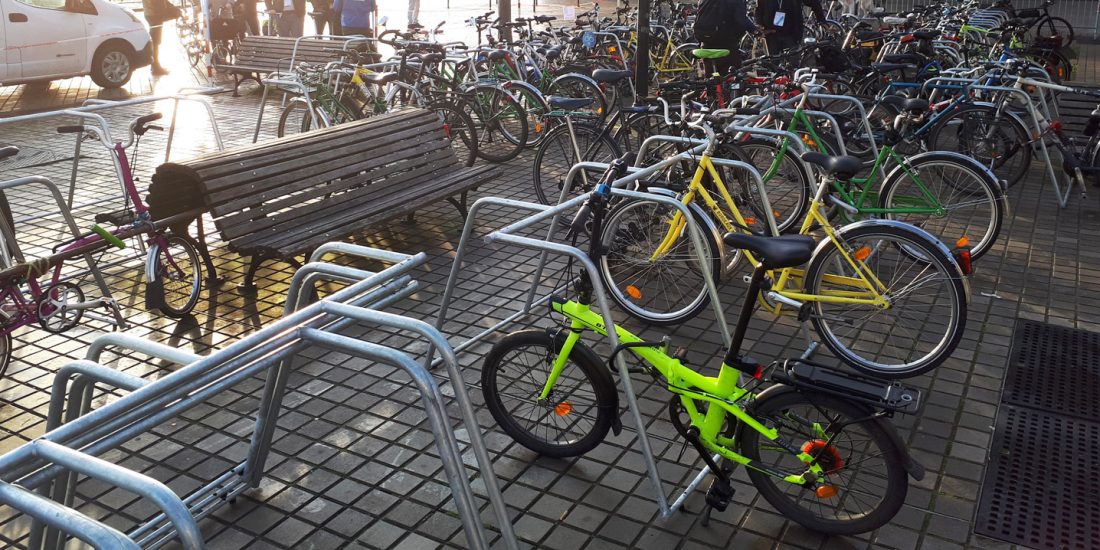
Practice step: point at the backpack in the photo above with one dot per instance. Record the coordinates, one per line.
(708, 19)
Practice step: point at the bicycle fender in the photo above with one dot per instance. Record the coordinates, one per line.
(915, 469)
(574, 75)
(607, 383)
(711, 230)
(978, 167)
(920, 233)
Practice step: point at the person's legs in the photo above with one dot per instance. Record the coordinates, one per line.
(285, 24)
(778, 43)
(155, 34)
(252, 17)
(414, 11)
(354, 31)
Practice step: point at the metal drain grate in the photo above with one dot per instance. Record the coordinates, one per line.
(30, 157)
(1054, 369)
(1041, 487)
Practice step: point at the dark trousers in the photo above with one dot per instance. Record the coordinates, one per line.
(352, 31)
(778, 43)
(252, 17)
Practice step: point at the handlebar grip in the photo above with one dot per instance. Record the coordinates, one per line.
(142, 121)
(70, 129)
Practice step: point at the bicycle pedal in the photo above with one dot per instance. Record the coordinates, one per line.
(681, 354)
(719, 494)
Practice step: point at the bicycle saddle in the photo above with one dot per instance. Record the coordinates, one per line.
(706, 53)
(553, 53)
(610, 75)
(917, 105)
(569, 103)
(8, 151)
(775, 252)
(904, 58)
(888, 67)
(497, 55)
(843, 167)
(926, 34)
(380, 79)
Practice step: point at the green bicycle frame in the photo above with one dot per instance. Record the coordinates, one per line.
(865, 196)
(722, 393)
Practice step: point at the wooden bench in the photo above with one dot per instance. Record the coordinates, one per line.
(261, 55)
(283, 198)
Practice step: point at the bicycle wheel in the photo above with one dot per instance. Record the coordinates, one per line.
(666, 290)
(1055, 26)
(179, 271)
(576, 415)
(459, 128)
(556, 155)
(5, 345)
(501, 123)
(789, 188)
(1000, 143)
(296, 119)
(639, 126)
(534, 108)
(578, 85)
(970, 200)
(865, 482)
(927, 299)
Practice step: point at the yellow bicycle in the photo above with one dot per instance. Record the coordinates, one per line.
(886, 297)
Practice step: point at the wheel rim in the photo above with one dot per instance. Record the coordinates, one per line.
(566, 417)
(180, 275)
(116, 67)
(660, 290)
(922, 320)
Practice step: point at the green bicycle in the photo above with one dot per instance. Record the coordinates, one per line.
(816, 444)
(950, 195)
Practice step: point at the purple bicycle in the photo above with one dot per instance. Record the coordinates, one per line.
(33, 292)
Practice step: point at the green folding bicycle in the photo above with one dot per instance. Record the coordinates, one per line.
(816, 444)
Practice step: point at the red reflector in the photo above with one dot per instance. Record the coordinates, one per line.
(759, 372)
(962, 256)
(1056, 125)
(907, 39)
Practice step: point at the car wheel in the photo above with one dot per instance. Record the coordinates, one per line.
(112, 66)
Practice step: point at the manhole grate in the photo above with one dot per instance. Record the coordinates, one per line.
(30, 157)
(1054, 369)
(1041, 487)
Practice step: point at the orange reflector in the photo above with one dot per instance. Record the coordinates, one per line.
(538, 127)
(809, 141)
(776, 214)
(563, 408)
(612, 49)
(962, 242)
(750, 221)
(862, 253)
(633, 292)
(825, 491)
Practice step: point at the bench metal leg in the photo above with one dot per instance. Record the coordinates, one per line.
(249, 284)
(212, 278)
(460, 204)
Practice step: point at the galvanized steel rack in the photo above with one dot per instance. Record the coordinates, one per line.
(38, 478)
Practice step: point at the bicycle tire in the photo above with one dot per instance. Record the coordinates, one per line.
(590, 371)
(1005, 149)
(793, 191)
(800, 418)
(535, 109)
(6, 349)
(636, 226)
(555, 156)
(968, 181)
(180, 274)
(891, 250)
(1053, 25)
(459, 128)
(290, 125)
(578, 85)
(491, 108)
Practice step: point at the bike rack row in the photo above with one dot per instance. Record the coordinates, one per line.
(541, 214)
(38, 478)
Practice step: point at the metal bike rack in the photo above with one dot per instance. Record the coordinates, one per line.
(12, 251)
(543, 213)
(72, 446)
(90, 112)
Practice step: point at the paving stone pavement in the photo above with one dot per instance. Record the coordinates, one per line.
(353, 463)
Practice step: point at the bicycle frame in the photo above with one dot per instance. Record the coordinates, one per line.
(872, 288)
(723, 391)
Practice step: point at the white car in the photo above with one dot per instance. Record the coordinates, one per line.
(52, 39)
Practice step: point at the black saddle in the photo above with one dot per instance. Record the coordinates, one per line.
(610, 75)
(553, 53)
(843, 167)
(569, 103)
(915, 105)
(432, 58)
(497, 55)
(775, 252)
(926, 34)
(890, 67)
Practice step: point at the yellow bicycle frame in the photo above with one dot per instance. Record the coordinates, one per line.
(866, 289)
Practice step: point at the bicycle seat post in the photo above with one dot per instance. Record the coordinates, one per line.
(733, 355)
